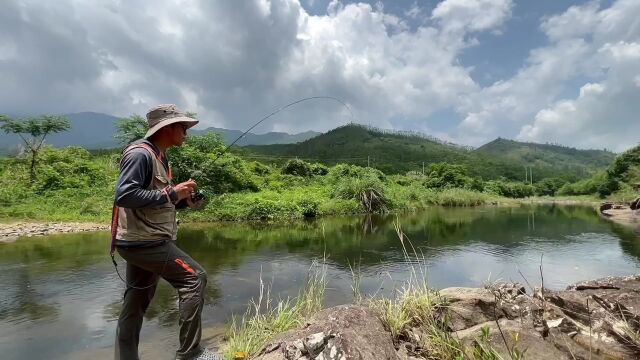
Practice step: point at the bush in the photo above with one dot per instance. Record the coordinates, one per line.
(443, 175)
(260, 169)
(309, 207)
(607, 188)
(341, 171)
(195, 160)
(368, 190)
(319, 170)
(297, 167)
(514, 190)
(548, 186)
(584, 187)
(66, 168)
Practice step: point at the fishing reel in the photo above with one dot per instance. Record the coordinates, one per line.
(197, 196)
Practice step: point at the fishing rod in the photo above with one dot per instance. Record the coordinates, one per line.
(279, 110)
(199, 196)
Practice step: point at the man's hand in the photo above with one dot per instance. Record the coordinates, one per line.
(184, 189)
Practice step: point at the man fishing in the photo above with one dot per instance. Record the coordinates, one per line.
(144, 231)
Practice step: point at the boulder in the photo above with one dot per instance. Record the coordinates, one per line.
(606, 206)
(346, 332)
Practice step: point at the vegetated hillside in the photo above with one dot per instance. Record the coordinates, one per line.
(228, 136)
(623, 176)
(399, 152)
(546, 154)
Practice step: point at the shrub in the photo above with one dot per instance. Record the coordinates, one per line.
(260, 169)
(443, 175)
(65, 168)
(309, 207)
(195, 160)
(319, 169)
(342, 171)
(509, 189)
(297, 167)
(368, 190)
(584, 187)
(610, 186)
(548, 186)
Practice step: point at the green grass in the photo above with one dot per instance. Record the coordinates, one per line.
(265, 319)
(415, 305)
(74, 185)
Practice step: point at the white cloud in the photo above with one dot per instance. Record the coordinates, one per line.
(605, 114)
(233, 62)
(586, 43)
(472, 15)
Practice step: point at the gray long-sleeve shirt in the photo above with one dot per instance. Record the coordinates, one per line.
(136, 174)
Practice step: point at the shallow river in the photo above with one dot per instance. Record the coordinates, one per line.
(60, 295)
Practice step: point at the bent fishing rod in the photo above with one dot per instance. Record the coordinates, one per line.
(284, 107)
(279, 110)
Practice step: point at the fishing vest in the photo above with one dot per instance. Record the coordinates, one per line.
(156, 223)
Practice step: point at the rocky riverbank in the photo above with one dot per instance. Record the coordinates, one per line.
(597, 319)
(11, 231)
(622, 214)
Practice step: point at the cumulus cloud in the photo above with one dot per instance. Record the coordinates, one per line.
(471, 15)
(604, 113)
(234, 61)
(586, 44)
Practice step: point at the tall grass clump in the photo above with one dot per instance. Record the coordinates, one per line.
(461, 197)
(369, 191)
(265, 319)
(415, 305)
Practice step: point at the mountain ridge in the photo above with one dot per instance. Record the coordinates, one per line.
(399, 152)
(94, 130)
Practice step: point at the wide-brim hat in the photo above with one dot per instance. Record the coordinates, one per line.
(166, 114)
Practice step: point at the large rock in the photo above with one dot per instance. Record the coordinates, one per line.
(510, 337)
(472, 306)
(597, 319)
(346, 332)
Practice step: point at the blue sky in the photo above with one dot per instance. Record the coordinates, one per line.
(466, 71)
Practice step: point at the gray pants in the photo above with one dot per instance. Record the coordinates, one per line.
(144, 267)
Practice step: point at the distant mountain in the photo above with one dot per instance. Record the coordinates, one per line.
(258, 139)
(399, 152)
(545, 154)
(95, 131)
(88, 129)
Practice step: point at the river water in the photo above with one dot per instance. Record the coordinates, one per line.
(60, 295)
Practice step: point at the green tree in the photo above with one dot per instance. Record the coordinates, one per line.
(33, 132)
(131, 129)
(443, 175)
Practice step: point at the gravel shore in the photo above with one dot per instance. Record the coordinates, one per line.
(12, 231)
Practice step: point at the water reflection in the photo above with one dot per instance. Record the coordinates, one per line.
(60, 293)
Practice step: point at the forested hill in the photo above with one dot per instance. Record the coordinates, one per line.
(399, 152)
(548, 154)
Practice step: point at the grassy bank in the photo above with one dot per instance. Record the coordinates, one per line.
(75, 185)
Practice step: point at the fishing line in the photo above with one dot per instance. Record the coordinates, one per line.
(279, 110)
(284, 107)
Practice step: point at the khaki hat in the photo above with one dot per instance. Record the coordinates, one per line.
(166, 114)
